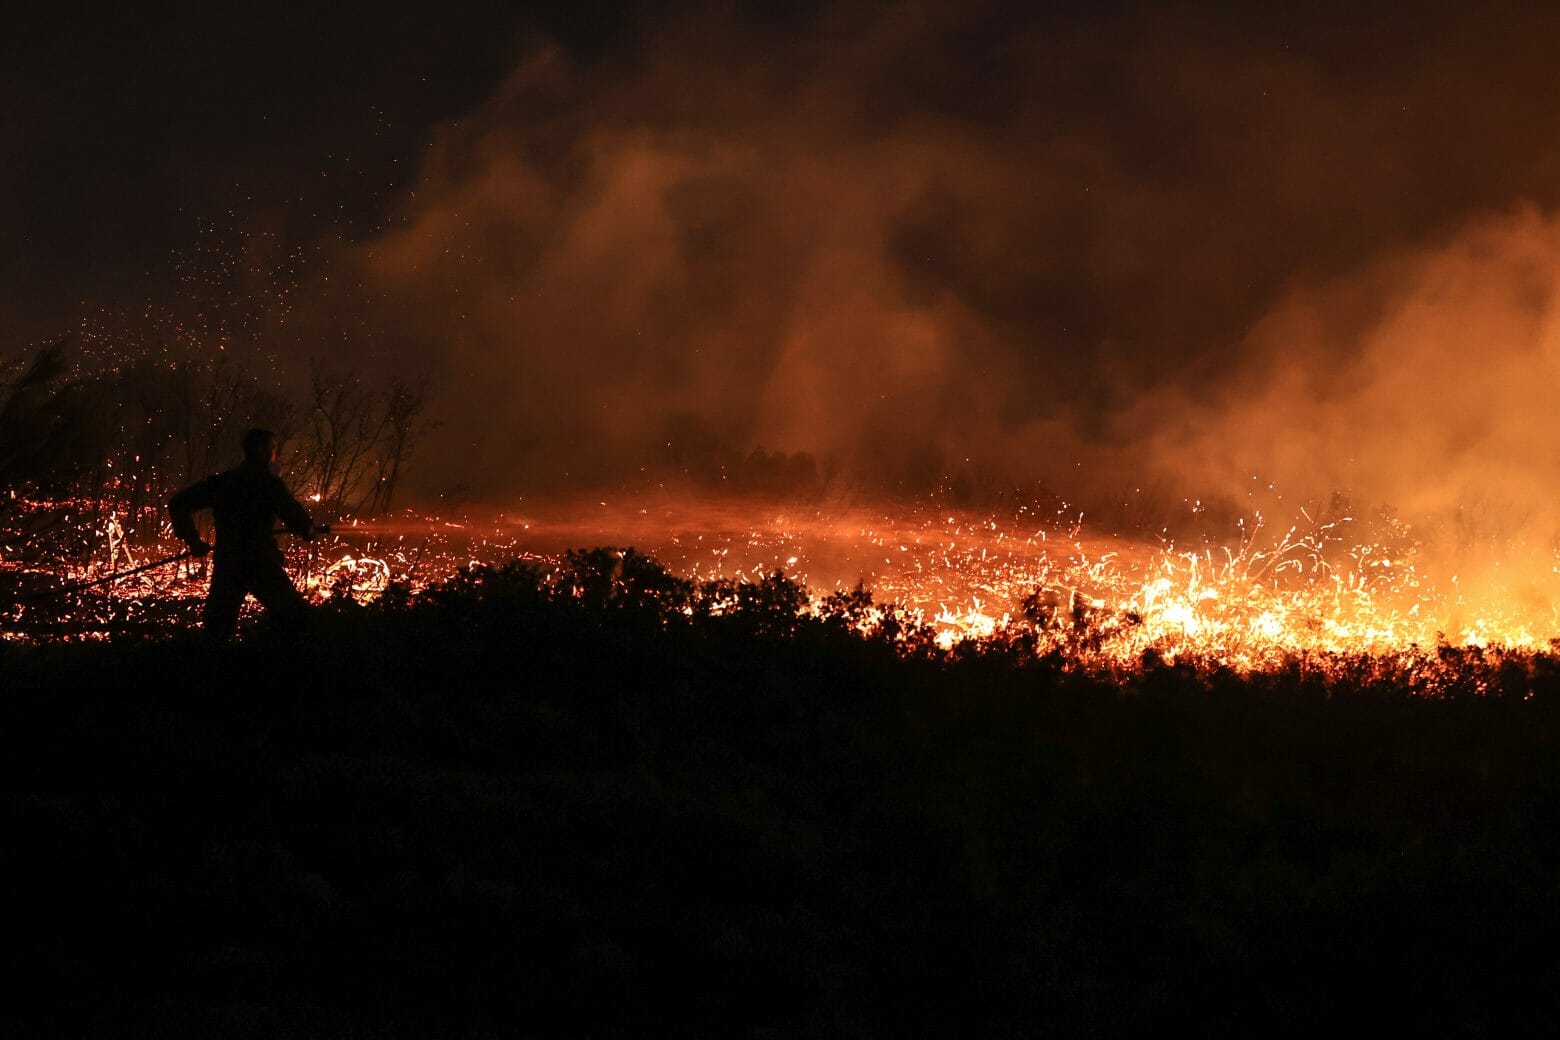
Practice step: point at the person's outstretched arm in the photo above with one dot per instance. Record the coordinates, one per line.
(292, 514)
(182, 508)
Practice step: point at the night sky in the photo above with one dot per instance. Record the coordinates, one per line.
(124, 128)
(1178, 242)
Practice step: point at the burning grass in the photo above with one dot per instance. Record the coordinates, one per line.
(1322, 592)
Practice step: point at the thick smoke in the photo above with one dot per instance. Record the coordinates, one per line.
(1426, 382)
(1166, 248)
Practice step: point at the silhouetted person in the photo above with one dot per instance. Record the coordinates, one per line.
(245, 502)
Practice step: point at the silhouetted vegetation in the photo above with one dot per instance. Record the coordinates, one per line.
(44, 416)
(92, 447)
(145, 398)
(606, 802)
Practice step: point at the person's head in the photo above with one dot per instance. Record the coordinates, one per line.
(260, 447)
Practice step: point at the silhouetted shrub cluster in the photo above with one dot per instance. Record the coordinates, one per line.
(635, 590)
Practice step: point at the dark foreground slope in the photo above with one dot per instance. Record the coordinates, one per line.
(505, 813)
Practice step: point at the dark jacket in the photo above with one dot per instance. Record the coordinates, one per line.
(245, 502)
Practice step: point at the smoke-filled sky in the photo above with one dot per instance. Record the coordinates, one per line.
(1183, 245)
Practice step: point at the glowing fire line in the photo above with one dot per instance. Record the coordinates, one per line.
(1308, 590)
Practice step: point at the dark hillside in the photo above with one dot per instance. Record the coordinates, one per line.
(504, 811)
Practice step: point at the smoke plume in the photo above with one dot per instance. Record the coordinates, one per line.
(1171, 247)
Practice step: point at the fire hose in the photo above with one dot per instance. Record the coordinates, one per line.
(175, 558)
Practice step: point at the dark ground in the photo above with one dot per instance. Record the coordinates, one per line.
(505, 812)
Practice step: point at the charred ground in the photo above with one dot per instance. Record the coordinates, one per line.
(515, 807)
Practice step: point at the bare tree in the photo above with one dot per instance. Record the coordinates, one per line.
(406, 424)
(340, 439)
(47, 432)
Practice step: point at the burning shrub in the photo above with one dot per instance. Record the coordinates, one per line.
(622, 579)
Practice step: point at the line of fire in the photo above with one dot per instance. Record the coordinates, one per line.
(97, 453)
